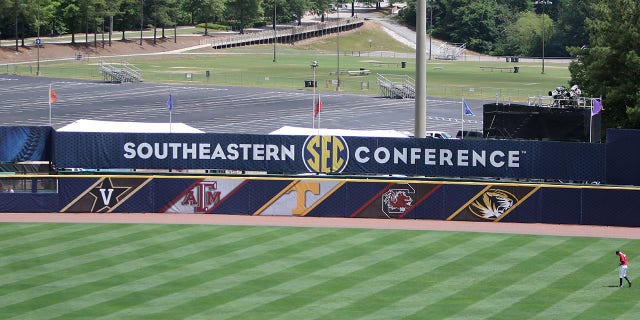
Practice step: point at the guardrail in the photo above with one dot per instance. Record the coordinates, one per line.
(284, 35)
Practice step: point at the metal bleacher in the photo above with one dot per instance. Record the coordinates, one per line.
(120, 72)
(450, 51)
(396, 86)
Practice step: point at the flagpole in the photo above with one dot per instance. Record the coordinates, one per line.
(49, 98)
(313, 113)
(462, 116)
(314, 65)
(591, 123)
(319, 112)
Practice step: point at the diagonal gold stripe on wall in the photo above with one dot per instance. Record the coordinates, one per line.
(81, 195)
(130, 194)
(518, 203)
(468, 203)
(276, 197)
(326, 195)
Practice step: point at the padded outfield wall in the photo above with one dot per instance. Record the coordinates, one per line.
(348, 198)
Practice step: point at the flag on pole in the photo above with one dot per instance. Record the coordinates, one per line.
(53, 97)
(597, 107)
(318, 107)
(467, 110)
(170, 103)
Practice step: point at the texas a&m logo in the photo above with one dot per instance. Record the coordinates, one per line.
(203, 197)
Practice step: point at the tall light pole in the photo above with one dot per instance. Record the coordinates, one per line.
(38, 40)
(338, 48)
(141, 19)
(543, 3)
(430, 25)
(274, 30)
(420, 117)
(314, 66)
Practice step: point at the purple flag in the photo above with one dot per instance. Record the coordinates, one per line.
(597, 107)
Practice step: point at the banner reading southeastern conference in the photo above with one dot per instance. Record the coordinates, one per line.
(332, 155)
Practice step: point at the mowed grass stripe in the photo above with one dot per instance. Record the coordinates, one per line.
(441, 272)
(573, 272)
(61, 245)
(456, 278)
(600, 291)
(85, 277)
(150, 284)
(125, 271)
(28, 241)
(265, 274)
(519, 283)
(384, 268)
(220, 272)
(311, 282)
(82, 255)
(15, 233)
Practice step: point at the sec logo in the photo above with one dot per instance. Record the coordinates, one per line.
(325, 154)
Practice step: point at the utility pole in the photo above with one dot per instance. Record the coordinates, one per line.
(141, 19)
(543, 3)
(274, 30)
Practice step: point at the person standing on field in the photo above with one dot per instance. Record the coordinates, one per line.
(624, 263)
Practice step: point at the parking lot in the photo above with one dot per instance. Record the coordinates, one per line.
(218, 109)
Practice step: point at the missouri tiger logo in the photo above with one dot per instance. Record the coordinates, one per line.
(493, 204)
(325, 154)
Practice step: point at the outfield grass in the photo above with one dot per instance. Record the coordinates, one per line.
(139, 271)
(253, 66)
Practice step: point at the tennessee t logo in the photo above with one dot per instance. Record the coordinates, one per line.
(301, 189)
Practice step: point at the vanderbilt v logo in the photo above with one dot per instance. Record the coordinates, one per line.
(105, 195)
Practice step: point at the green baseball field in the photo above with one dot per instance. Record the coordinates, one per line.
(156, 271)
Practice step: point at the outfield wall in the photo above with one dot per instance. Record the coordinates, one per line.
(612, 163)
(357, 198)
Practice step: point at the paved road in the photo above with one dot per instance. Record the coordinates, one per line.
(216, 109)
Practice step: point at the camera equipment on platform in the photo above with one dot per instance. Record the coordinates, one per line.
(563, 115)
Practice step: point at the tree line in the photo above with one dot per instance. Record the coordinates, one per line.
(602, 37)
(20, 19)
(507, 27)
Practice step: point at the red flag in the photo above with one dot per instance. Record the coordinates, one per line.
(318, 108)
(53, 97)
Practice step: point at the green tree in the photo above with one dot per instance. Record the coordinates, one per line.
(297, 8)
(128, 17)
(71, 15)
(167, 13)
(245, 12)
(475, 23)
(524, 36)
(609, 66)
(320, 7)
(571, 24)
(212, 9)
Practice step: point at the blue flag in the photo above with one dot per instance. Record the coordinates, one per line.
(467, 110)
(170, 103)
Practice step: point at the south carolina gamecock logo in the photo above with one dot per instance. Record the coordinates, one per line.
(396, 201)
